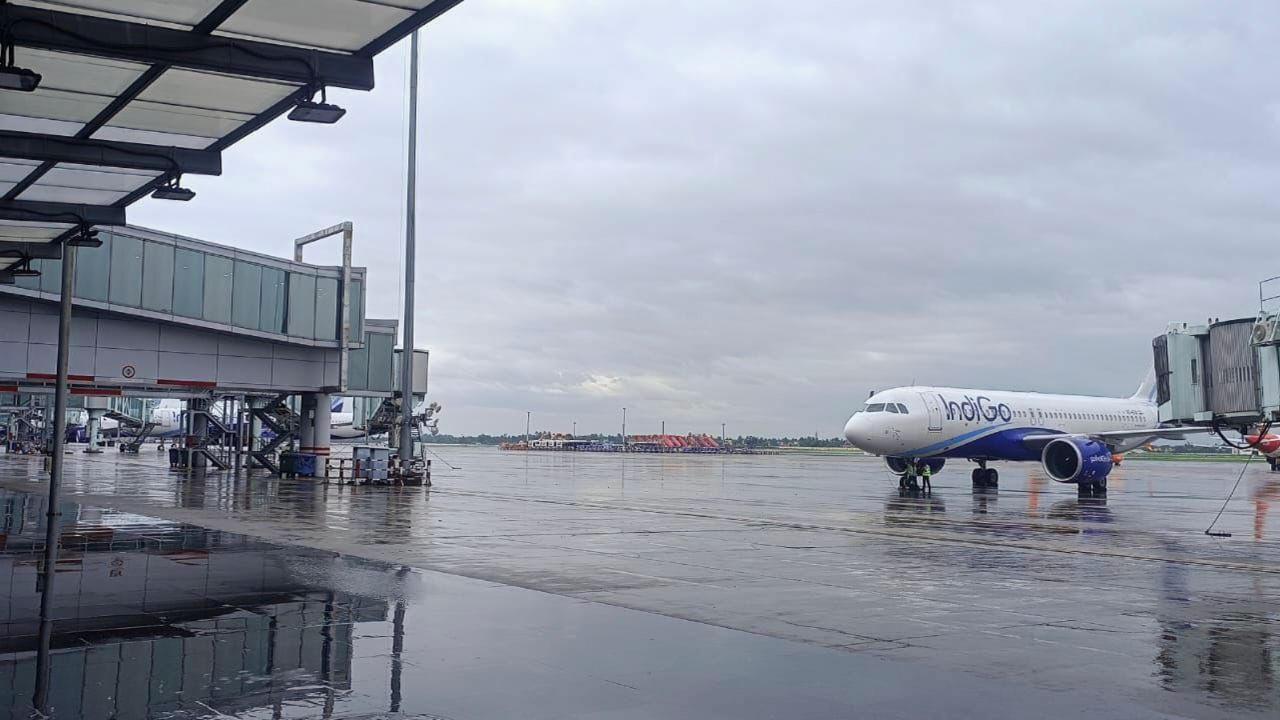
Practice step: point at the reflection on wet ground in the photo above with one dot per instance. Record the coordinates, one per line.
(1122, 599)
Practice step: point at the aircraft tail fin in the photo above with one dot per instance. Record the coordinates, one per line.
(1147, 390)
(335, 405)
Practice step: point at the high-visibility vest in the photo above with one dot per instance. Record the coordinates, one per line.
(927, 471)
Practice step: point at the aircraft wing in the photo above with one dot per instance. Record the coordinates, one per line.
(1167, 433)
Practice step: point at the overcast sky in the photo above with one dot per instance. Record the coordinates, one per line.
(756, 212)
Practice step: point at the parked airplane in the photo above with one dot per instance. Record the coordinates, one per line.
(1075, 437)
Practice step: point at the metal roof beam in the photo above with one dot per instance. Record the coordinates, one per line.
(108, 153)
(35, 249)
(406, 26)
(38, 211)
(103, 37)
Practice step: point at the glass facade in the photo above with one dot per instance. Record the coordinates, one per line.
(157, 277)
(246, 296)
(380, 346)
(327, 302)
(137, 272)
(188, 283)
(50, 276)
(302, 305)
(126, 271)
(93, 269)
(271, 316)
(217, 288)
(355, 310)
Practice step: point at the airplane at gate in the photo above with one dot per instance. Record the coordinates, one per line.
(1073, 436)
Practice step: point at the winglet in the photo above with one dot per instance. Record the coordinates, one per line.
(1147, 390)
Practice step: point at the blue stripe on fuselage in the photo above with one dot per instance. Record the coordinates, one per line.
(996, 442)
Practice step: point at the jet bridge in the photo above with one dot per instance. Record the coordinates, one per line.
(161, 315)
(1223, 373)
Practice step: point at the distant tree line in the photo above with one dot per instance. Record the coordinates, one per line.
(747, 441)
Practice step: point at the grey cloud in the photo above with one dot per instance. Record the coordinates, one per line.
(750, 213)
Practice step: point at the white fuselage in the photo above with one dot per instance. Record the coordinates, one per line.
(986, 424)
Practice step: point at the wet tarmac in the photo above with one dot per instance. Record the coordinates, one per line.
(855, 600)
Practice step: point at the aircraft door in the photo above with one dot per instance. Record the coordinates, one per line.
(935, 411)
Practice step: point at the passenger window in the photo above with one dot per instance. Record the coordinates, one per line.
(902, 408)
(890, 407)
(875, 407)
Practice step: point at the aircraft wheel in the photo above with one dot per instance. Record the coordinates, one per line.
(978, 477)
(993, 478)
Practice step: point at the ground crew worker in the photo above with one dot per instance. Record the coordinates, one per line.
(926, 475)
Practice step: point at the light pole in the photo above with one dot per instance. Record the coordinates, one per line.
(624, 429)
(575, 428)
(410, 241)
(528, 414)
(721, 434)
(664, 428)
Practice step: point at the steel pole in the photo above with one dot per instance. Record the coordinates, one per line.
(406, 356)
(53, 516)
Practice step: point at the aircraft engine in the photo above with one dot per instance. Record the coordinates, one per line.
(898, 466)
(1077, 460)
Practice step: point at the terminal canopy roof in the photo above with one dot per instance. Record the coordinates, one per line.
(134, 93)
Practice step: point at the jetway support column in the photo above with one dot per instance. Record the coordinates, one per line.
(96, 407)
(315, 428)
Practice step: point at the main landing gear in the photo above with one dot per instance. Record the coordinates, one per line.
(985, 477)
(1092, 490)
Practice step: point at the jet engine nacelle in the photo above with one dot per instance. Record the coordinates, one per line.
(1077, 460)
(898, 466)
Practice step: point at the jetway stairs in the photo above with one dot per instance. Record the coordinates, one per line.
(133, 415)
(281, 420)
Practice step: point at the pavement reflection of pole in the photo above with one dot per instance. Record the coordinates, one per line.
(53, 515)
(397, 642)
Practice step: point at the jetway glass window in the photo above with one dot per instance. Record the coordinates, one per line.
(93, 269)
(271, 316)
(188, 283)
(33, 283)
(157, 277)
(355, 307)
(126, 271)
(247, 296)
(50, 279)
(358, 369)
(327, 308)
(380, 370)
(217, 288)
(302, 305)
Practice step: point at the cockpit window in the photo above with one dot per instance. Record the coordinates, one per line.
(890, 407)
(875, 407)
(902, 408)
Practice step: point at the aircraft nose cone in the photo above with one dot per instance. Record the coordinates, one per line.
(854, 430)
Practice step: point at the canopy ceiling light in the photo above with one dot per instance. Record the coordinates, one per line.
(317, 112)
(15, 78)
(171, 190)
(85, 237)
(24, 270)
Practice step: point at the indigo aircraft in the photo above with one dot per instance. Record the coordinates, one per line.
(1075, 437)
